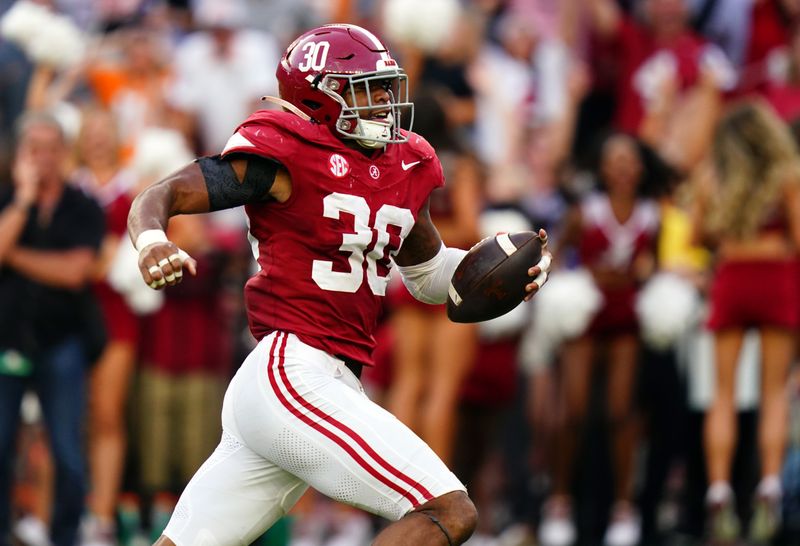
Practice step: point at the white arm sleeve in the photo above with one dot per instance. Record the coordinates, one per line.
(430, 281)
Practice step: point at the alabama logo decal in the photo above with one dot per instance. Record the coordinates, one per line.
(374, 172)
(338, 165)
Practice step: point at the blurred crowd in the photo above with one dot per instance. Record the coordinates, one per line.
(646, 396)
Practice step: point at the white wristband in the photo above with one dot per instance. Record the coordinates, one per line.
(148, 237)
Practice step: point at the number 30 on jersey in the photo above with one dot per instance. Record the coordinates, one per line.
(356, 243)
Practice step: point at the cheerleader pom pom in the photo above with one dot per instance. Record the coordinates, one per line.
(667, 306)
(566, 306)
(45, 37)
(59, 44)
(425, 24)
(159, 152)
(125, 278)
(22, 23)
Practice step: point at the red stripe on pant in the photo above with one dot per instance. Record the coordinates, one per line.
(426, 496)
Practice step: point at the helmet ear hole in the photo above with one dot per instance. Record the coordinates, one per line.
(314, 105)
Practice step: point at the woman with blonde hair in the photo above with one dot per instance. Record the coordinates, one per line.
(748, 207)
(101, 174)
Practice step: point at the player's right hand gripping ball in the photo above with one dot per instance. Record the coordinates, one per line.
(490, 281)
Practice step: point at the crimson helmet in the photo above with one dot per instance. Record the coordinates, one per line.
(325, 63)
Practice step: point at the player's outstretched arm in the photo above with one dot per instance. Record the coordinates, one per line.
(211, 183)
(160, 261)
(427, 266)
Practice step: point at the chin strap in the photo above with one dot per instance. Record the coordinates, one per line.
(373, 134)
(288, 105)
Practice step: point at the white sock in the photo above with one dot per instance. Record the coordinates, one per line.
(770, 486)
(719, 492)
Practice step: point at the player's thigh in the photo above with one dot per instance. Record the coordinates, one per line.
(333, 437)
(233, 498)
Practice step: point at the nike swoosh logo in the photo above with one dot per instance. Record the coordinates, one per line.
(407, 166)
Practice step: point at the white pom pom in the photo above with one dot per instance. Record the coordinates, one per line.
(60, 43)
(45, 37)
(125, 278)
(159, 152)
(566, 304)
(22, 23)
(504, 326)
(423, 23)
(495, 221)
(667, 306)
(562, 310)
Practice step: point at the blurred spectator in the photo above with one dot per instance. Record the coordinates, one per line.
(613, 232)
(50, 233)
(503, 78)
(285, 19)
(15, 71)
(508, 78)
(749, 207)
(433, 355)
(100, 173)
(770, 29)
(221, 72)
(726, 23)
(131, 76)
(441, 63)
(782, 86)
(669, 78)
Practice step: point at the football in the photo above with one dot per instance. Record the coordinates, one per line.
(490, 281)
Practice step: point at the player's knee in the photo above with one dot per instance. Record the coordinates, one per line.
(456, 513)
(466, 516)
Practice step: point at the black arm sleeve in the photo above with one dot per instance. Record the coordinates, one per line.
(224, 189)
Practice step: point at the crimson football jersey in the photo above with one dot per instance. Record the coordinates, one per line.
(324, 254)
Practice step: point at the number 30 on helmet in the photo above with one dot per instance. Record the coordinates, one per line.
(325, 64)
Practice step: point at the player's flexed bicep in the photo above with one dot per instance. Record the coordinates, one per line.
(208, 184)
(423, 243)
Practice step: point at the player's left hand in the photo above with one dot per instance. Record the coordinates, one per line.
(540, 270)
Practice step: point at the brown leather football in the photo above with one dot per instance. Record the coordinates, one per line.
(490, 281)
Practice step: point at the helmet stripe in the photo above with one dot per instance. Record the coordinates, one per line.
(377, 43)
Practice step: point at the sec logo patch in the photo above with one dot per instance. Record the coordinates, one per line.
(338, 165)
(374, 172)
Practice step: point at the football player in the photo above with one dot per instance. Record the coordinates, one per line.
(335, 192)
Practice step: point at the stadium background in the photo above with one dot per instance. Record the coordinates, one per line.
(516, 95)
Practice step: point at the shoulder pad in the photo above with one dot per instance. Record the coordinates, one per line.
(418, 146)
(274, 134)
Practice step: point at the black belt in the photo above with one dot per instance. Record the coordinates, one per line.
(353, 366)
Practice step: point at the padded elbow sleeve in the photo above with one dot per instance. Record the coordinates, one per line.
(430, 281)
